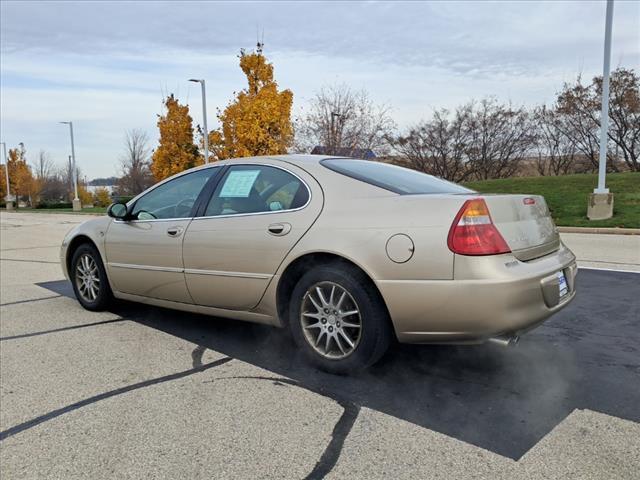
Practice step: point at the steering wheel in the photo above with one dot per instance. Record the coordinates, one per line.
(185, 203)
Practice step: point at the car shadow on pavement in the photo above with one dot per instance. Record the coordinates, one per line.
(501, 399)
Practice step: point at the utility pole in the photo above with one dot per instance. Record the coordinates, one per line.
(335, 141)
(8, 199)
(204, 117)
(77, 206)
(601, 201)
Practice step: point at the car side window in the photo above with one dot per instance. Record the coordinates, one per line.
(256, 189)
(174, 199)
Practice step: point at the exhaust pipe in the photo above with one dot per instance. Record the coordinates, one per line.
(505, 341)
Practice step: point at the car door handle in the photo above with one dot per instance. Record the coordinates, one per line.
(175, 231)
(279, 229)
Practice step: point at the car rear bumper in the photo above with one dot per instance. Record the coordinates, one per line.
(489, 296)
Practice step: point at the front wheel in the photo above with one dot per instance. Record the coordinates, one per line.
(338, 319)
(89, 279)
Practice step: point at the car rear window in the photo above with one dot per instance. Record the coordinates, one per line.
(392, 177)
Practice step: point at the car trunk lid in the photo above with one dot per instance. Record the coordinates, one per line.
(525, 224)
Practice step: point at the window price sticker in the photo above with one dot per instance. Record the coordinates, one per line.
(239, 183)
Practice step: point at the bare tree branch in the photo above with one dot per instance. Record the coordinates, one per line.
(438, 146)
(136, 175)
(340, 117)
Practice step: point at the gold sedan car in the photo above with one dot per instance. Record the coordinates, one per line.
(347, 254)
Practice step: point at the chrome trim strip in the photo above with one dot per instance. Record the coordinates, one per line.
(146, 267)
(185, 219)
(231, 215)
(192, 271)
(219, 273)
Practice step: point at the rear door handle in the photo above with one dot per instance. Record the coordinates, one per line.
(279, 229)
(175, 231)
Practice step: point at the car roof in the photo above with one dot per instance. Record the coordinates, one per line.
(305, 161)
(295, 158)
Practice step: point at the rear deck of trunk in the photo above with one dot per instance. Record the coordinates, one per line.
(525, 223)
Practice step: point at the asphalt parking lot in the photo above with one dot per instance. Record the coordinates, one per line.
(142, 392)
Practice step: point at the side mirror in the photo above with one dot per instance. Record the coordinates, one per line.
(117, 210)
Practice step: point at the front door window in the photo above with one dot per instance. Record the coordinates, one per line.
(174, 199)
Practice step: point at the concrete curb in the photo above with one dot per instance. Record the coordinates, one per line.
(601, 230)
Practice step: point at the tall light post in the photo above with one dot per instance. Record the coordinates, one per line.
(204, 117)
(601, 201)
(77, 206)
(8, 200)
(336, 139)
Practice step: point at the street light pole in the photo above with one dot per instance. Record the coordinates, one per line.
(204, 118)
(8, 201)
(604, 113)
(335, 139)
(77, 206)
(601, 201)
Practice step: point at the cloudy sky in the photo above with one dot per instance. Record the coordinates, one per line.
(107, 65)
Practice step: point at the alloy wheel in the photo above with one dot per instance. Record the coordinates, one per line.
(331, 320)
(87, 278)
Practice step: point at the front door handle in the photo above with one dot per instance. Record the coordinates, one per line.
(279, 229)
(175, 231)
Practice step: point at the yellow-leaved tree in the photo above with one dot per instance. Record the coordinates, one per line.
(258, 121)
(101, 197)
(176, 151)
(21, 179)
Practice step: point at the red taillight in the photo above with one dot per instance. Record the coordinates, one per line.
(473, 231)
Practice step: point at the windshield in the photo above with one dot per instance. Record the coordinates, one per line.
(392, 177)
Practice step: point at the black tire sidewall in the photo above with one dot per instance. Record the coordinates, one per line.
(104, 295)
(375, 324)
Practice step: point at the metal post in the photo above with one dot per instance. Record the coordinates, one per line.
(604, 114)
(75, 166)
(6, 168)
(8, 201)
(204, 120)
(331, 136)
(600, 206)
(71, 169)
(335, 139)
(76, 201)
(204, 117)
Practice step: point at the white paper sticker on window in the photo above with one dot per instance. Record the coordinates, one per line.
(238, 183)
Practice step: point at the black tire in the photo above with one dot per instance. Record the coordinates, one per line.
(375, 333)
(104, 296)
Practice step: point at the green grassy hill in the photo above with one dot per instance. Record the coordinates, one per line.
(567, 196)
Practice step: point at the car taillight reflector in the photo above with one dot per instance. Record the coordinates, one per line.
(473, 231)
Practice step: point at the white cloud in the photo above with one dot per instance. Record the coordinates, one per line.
(106, 65)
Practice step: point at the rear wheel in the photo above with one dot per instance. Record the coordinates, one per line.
(89, 278)
(338, 319)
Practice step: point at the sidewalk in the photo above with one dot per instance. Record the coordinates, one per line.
(611, 252)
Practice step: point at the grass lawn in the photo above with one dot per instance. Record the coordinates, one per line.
(567, 196)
